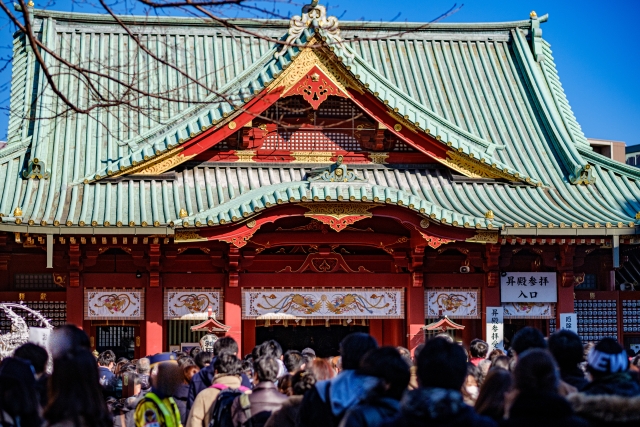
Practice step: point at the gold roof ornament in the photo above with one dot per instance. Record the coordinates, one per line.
(17, 211)
(31, 3)
(183, 213)
(638, 215)
(533, 14)
(489, 214)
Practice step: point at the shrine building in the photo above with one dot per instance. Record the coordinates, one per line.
(307, 179)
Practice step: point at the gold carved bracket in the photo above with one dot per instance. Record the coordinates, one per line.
(339, 215)
(484, 237)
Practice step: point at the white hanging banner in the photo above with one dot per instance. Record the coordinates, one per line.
(495, 328)
(189, 303)
(323, 304)
(529, 310)
(113, 304)
(40, 336)
(569, 321)
(455, 303)
(528, 287)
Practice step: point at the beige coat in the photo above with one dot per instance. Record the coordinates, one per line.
(201, 408)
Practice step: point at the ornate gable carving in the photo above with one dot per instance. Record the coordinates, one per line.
(315, 87)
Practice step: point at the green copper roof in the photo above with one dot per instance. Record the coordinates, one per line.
(487, 90)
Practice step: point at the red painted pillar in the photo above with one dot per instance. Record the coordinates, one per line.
(75, 306)
(565, 297)
(392, 330)
(415, 317)
(248, 337)
(233, 315)
(152, 326)
(375, 329)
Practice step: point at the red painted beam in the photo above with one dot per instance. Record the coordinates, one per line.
(250, 111)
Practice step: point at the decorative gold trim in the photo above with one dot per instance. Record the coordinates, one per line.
(378, 158)
(167, 161)
(312, 156)
(484, 237)
(183, 236)
(183, 213)
(489, 214)
(17, 211)
(338, 210)
(305, 61)
(473, 168)
(245, 155)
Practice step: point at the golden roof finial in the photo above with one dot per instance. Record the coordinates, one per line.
(183, 213)
(533, 14)
(31, 3)
(17, 211)
(489, 215)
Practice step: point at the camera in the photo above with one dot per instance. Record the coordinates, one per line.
(465, 269)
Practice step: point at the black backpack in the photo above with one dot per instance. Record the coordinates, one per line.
(221, 409)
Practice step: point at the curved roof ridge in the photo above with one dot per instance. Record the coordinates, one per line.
(279, 23)
(252, 202)
(546, 102)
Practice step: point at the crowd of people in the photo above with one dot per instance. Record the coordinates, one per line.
(540, 382)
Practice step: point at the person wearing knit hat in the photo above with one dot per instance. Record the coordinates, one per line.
(608, 365)
(612, 398)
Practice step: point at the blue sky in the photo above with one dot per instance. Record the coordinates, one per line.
(594, 44)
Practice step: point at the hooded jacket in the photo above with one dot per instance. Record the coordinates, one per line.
(534, 409)
(437, 407)
(326, 403)
(607, 410)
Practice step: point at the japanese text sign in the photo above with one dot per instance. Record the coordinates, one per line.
(495, 328)
(569, 321)
(528, 287)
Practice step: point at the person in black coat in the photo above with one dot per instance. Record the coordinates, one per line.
(535, 400)
(383, 401)
(438, 402)
(566, 348)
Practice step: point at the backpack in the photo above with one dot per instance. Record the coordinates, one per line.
(221, 409)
